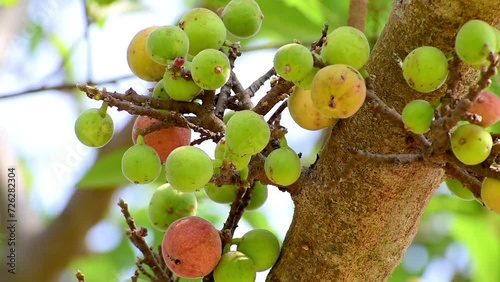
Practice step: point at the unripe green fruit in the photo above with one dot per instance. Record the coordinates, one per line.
(247, 133)
(229, 114)
(242, 18)
(497, 34)
(210, 69)
(239, 162)
(338, 91)
(235, 266)
(304, 113)
(159, 90)
(259, 196)
(188, 168)
(204, 28)
(282, 166)
(471, 144)
(141, 164)
(179, 84)
(306, 82)
(138, 59)
(293, 61)
(490, 194)
(167, 43)
(459, 190)
(346, 45)
(425, 69)
(474, 41)
(167, 205)
(223, 195)
(417, 116)
(94, 128)
(220, 149)
(261, 246)
(191, 247)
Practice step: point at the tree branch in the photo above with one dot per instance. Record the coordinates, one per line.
(358, 11)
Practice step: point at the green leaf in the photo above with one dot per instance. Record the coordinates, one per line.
(480, 235)
(37, 33)
(8, 3)
(311, 9)
(106, 173)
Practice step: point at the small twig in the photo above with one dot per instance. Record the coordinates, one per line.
(277, 114)
(144, 272)
(260, 81)
(469, 181)
(79, 275)
(441, 127)
(279, 91)
(391, 113)
(316, 45)
(447, 101)
(200, 140)
(139, 243)
(224, 94)
(358, 11)
(135, 277)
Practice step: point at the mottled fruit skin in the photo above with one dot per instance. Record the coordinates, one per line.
(179, 84)
(138, 59)
(159, 91)
(474, 41)
(282, 166)
(94, 130)
(235, 266)
(167, 43)
(188, 169)
(425, 69)
(239, 161)
(304, 113)
(141, 164)
(210, 69)
(204, 28)
(168, 205)
(490, 194)
(247, 133)
(471, 144)
(417, 116)
(346, 45)
(486, 105)
(164, 140)
(191, 247)
(338, 91)
(242, 18)
(459, 190)
(261, 246)
(293, 61)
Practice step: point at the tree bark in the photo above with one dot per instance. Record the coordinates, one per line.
(354, 220)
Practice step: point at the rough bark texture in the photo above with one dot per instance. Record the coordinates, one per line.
(354, 220)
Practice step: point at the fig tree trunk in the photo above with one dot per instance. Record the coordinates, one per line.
(354, 219)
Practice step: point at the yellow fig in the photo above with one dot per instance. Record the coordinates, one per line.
(304, 113)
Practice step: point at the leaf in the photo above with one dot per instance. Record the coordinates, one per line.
(480, 235)
(8, 3)
(311, 9)
(106, 173)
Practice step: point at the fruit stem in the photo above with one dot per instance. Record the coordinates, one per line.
(103, 109)
(236, 241)
(283, 143)
(140, 140)
(217, 163)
